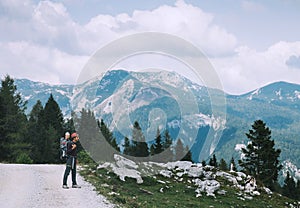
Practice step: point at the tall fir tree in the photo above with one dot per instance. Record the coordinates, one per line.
(69, 125)
(223, 165)
(213, 161)
(232, 165)
(188, 154)
(13, 122)
(108, 135)
(289, 188)
(298, 190)
(91, 139)
(140, 146)
(53, 116)
(168, 154)
(179, 150)
(53, 122)
(261, 157)
(127, 147)
(157, 147)
(36, 131)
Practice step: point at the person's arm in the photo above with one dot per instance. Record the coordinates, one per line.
(70, 148)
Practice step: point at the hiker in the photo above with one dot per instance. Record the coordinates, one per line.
(63, 146)
(71, 161)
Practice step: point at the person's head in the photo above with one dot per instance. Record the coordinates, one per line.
(67, 135)
(75, 137)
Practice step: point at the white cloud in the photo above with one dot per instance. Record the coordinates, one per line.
(43, 42)
(47, 40)
(26, 60)
(250, 69)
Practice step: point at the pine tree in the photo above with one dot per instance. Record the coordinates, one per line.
(179, 150)
(232, 165)
(298, 190)
(50, 147)
(289, 187)
(261, 158)
(213, 161)
(127, 147)
(140, 147)
(223, 165)
(36, 131)
(108, 135)
(53, 116)
(69, 125)
(168, 154)
(157, 147)
(53, 122)
(13, 122)
(203, 163)
(188, 155)
(91, 139)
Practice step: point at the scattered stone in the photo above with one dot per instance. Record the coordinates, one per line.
(221, 192)
(146, 191)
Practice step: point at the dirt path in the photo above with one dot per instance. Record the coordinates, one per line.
(40, 186)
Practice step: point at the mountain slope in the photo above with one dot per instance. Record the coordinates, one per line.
(175, 103)
(178, 184)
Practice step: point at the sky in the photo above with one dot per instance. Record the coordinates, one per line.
(249, 43)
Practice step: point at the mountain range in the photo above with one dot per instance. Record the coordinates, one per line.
(167, 100)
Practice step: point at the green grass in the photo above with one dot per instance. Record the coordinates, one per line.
(175, 194)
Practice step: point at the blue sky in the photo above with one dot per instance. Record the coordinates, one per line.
(249, 43)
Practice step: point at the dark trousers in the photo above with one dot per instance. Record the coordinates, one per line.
(70, 166)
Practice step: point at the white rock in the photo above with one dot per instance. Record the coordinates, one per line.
(166, 173)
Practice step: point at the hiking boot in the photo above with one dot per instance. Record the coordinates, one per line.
(65, 187)
(76, 186)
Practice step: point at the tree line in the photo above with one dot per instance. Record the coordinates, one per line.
(33, 138)
(162, 148)
(260, 159)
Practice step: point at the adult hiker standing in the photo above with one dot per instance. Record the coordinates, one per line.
(71, 161)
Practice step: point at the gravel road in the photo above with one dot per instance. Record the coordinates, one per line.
(41, 186)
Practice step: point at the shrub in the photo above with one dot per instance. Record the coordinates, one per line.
(23, 158)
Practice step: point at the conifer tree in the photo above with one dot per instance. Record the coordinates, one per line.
(91, 139)
(179, 150)
(298, 190)
(53, 122)
(69, 124)
(53, 116)
(152, 150)
(157, 147)
(108, 135)
(261, 157)
(13, 122)
(127, 147)
(223, 165)
(36, 131)
(188, 155)
(213, 161)
(168, 154)
(203, 163)
(140, 147)
(289, 187)
(232, 165)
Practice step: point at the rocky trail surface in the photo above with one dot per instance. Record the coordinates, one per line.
(41, 186)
